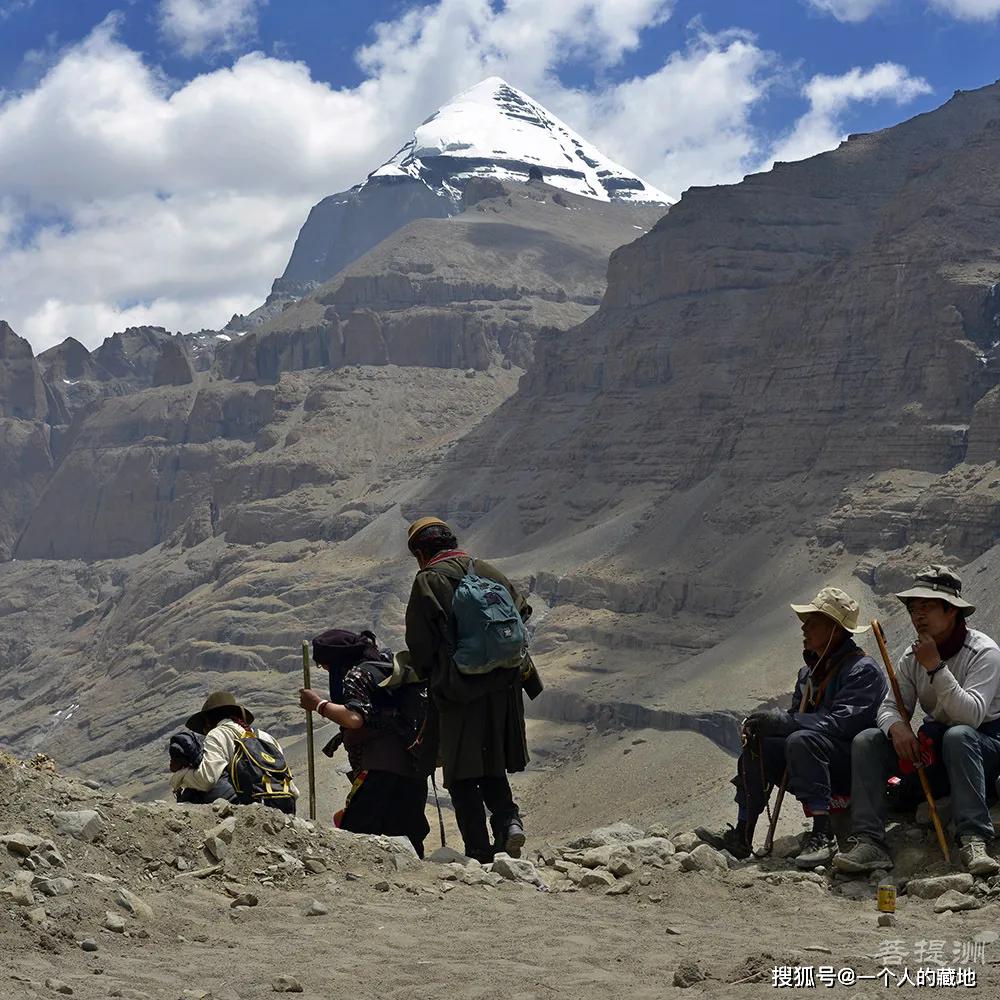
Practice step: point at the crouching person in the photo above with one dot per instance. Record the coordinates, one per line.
(252, 762)
(837, 695)
(954, 672)
(380, 707)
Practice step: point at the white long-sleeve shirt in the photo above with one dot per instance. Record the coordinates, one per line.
(217, 752)
(965, 692)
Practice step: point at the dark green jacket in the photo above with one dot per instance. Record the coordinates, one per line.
(478, 721)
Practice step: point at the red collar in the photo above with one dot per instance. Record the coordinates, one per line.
(450, 554)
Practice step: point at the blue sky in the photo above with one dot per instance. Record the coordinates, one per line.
(157, 157)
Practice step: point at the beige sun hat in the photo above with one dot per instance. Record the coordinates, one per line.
(836, 604)
(939, 582)
(216, 701)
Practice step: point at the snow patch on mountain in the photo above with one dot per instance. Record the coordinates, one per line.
(496, 130)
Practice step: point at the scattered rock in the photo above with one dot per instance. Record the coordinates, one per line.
(54, 886)
(673, 931)
(954, 900)
(620, 866)
(38, 916)
(617, 833)
(316, 909)
(786, 847)
(286, 984)
(516, 870)
(686, 841)
(382, 886)
(887, 920)
(244, 899)
(404, 856)
(689, 973)
(58, 986)
(94, 786)
(622, 888)
(136, 906)
(114, 923)
(597, 877)
(82, 824)
(223, 831)
(21, 844)
(703, 859)
(931, 888)
(20, 894)
(447, 855)
(88, 944)
(314, 865)
(216, 847)
(651, 849)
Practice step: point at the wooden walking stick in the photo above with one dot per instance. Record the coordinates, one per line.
(309, 733)
(901, 707)
(780, 797)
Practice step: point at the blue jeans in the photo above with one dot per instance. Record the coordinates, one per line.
(970, 758)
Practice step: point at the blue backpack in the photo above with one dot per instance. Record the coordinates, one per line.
(489, 631)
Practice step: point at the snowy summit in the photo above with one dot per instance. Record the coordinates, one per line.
(495, 130)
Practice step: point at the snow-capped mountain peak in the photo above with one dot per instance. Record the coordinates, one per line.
(496, 130)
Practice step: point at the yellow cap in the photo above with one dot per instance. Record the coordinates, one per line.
(420, 524)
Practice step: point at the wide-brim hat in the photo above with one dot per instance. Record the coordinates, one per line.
(940, 583)
(836, 604)
(215, 702)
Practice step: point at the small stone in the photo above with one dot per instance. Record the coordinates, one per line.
(447, 855)
(246, 899)
(786, 847)
(470, 373)
(216, 848)
(703, 859)
(655, 898)
(136, 906)
(685, 841)
(223, 831)
(94, 786)
(516, 870)
(382, 886)
(617, 833)
(88, 944)
(651, 849)
(673, 931)
(689, 973)
(21, 844)
(55, 886)
(316, 909)
(597, 877)
(114, 923)
(622, 888)
(314, 865)
(620, 866)
(931, 888)
(58, 986)
(38, 916)
(953, 900)
(286, 984)
(20, 894)
(222, 808)
(887, 920)
(82, 824)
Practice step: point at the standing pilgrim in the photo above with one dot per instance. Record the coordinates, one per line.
(954, 672)
(836, 696)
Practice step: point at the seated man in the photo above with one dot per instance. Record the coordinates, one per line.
(954, 672)
(837, 695)
(186, 752)
(253, 762)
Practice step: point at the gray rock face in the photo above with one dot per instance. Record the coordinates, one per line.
(931, 888)
(82, 824)
(22, 394)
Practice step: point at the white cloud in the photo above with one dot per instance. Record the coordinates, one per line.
(830, 97)
(849, 10)
(969, 10)
(199, 26)
(178, 204)
(8, 8)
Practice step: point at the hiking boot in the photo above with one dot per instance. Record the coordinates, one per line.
(514, 838)
(975, 858)
(863, 857)
(818, 849)
(730, 839)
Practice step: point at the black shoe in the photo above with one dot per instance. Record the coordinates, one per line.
(514, 838)
(730, 839)
(818, 849)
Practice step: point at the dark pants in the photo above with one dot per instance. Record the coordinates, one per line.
(471, 797)
(816, 767)
(389, 804)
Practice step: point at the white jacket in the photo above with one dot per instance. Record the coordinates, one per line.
(966, 692)
(218, 750)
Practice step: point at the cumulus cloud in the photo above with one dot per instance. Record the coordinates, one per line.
(8, 8)
(196, 27)
(135, 199)
(969, 10)
(849, 10)
(830, 97)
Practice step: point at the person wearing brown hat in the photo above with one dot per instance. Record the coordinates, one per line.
(953, 671)
(837, 695)
(252, 760)
(477, 720)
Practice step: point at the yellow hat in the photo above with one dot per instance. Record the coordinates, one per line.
(421, 523)
(836, 604)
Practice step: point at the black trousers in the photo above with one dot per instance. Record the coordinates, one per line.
(471, 797)
(390, 804)
(817, 767)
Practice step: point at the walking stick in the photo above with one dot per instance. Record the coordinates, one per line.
(309, 733)
(780, 797)
(437, 802)
(901, 707)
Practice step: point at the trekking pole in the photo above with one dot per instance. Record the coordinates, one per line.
(901, 708)
(437, 802)
(309, 733)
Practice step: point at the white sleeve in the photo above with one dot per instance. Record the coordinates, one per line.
(967, 703)
(888, 713)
